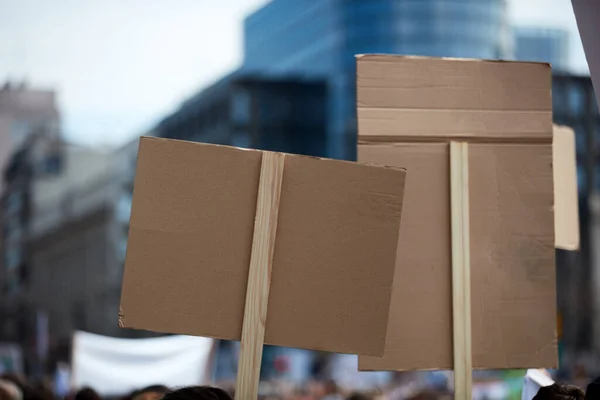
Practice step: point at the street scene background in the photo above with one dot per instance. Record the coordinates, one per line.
(80, 82)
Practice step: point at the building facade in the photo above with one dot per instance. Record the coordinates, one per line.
(279, 114)
(22, 111)
(538, 44)
(322, 39)
(73, 242)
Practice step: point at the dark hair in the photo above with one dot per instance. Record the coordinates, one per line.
(150, 389)
(87, 394)
(197, 393)
(359, 396)
(593, 390)
(560, 391)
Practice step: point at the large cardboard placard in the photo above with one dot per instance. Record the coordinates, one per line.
(190, 240)
(409, 110)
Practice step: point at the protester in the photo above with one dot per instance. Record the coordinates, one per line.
(197, 393)
(593, 390)
(560, 391)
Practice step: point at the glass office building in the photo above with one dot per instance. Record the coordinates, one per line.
(549, 45)
(321, 39)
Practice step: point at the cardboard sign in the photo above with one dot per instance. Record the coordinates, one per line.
(190, 241)
(566, 205)
(409, 109)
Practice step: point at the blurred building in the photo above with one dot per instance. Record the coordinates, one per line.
(71, 244)
(23, 113)
(539, 44)
(574, 105)
(23, 110)
(278, 114)
(322, 38)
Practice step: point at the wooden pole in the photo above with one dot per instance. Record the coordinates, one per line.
(259, 276)
(461, 265)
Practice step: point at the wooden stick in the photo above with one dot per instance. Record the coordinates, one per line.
(259, 276)
(461, 265)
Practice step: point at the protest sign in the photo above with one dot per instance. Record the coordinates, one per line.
(477, 238)
(314, 271)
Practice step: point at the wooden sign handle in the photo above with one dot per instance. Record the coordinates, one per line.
(259, 276)
(461, 266)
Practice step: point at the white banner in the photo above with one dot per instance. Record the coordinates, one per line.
(117, 366)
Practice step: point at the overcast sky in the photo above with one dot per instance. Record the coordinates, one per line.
(119, 65)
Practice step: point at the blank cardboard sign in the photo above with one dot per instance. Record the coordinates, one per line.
(566, 206)
(409, 109)
(190, 240)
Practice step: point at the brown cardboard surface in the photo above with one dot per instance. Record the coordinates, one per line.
(566, 205)
(409, 108)
(190, 238)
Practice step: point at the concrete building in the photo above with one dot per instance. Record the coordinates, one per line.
(75, 239)
(22, 111)
(539, 44)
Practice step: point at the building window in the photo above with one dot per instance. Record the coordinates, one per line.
(241, 139)
(121, 248)
(581, 178)
(240, 107)
(576, 100)
(14, 202)
(52, 165)
(580, 139)
(13, 258)
(124, 207)
(19, 130)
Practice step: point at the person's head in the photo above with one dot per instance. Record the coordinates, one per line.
(87, 394)
(197, 393)
(359, 396)
(560, 391)
(10, 391)
(593, 390)
(154, 392)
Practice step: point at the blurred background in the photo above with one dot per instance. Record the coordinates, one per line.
(80, 81)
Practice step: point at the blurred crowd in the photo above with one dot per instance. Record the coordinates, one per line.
(13, 387)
